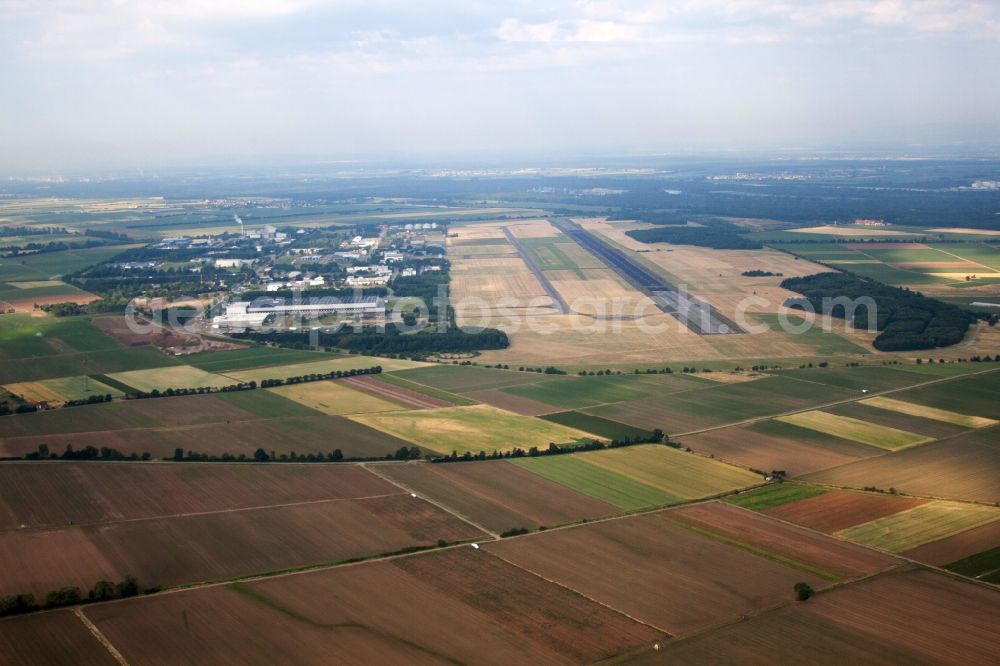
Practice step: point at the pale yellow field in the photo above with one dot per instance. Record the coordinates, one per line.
(474, 428)
(676, 472)
(61, 389)
(978, 232)
(175, 376)
(849, 231)
(962, 276)
(320, 367)
(333, 397)
(481, 252)
(855, 429)
(480, 265)
(531, 229)
(928, 522)
(476, 232)
(913, 409)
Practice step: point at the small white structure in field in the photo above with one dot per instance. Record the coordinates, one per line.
(475, 545)
(413, 494)
(864, 390)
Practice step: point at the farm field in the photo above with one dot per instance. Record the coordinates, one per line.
(474, 429)
(798, 547)
(719, 405)
(641, 476)
(51, 639)
(62, 389)
(497, 494)
(917, 425)
(620, 563)
(871, 621)
(44, 495)
(981, 566)
(230, 543)
(972, 395)
(575, 473)
(407, 397)
(965, 467)
(595, 424)
(310, 433)
(25, 296)
(466, 379)
(872, 378)
(774, 495)
(50, 265)
(392, 612)
(855, 429)
(840, 509)
(430, 392)
(773, 445)
(331, 364)
(178, 376)
(914, 527)
(958, 546)
(335, 397)
(923, 411)
(251, 357)
(573, 393)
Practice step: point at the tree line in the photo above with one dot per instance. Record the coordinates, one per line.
(655, 437)
(103, 590)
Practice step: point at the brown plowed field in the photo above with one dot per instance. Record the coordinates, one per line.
(912, 617)
(657, 571)
(840, 509)
(307, 434)
(759, 531)
(206, 547)
(39, 562)
(159, 336)
(395, 393)
(442, 608)
(959, 546)
(50, 639)
(965, 467)
(57, 494)
(746, 447)
(498, 495)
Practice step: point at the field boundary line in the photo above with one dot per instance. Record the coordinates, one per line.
(202, 513)
(101, 638)
(581, 594)
(436, 503)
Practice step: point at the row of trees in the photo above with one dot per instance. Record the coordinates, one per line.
(103, 590)
(369, 340)
(86, 453)
(655, 437)
(262, 456)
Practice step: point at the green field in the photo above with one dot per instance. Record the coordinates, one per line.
(984, 566)
(926, 412)
(871, 377)
(923, 524)
(774, 495)
(549, 256)
(265, 404)
(474, 429)
(328, 364)
(577, 392)
(63, 389)
(466, 379)
(178, 376)
(251, 357)
(47, 265)
(597, 425)
(573, 472)
(824, 343)
(968, 395)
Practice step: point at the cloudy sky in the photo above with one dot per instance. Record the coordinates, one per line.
(146, 82)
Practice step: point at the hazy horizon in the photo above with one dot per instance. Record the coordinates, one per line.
(129, 84)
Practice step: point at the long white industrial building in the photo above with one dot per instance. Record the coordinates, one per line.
(250, 314)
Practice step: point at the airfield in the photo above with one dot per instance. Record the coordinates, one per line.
(789, 458)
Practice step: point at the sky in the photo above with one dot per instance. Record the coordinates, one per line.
(148, 82)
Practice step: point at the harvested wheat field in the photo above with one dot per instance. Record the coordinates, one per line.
(497, 494)
(335, 397)
(928, 522)
(657, 571)
(474, 428)
(840, 509)
(855, 429)
(455, 606)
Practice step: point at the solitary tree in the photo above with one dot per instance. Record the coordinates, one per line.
(803, 591)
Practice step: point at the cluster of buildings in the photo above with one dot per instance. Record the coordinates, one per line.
(257, 313)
